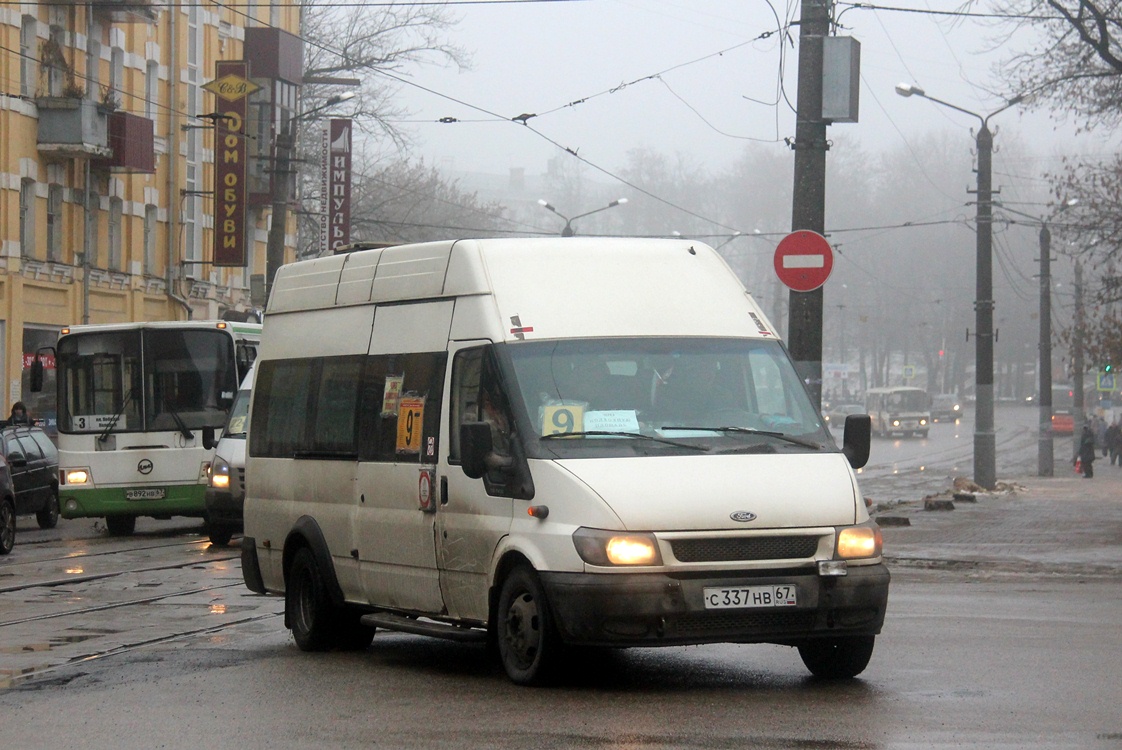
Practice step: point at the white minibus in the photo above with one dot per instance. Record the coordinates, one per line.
(550, 444)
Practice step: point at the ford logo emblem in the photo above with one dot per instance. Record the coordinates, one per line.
(742, 516)
(145, 466)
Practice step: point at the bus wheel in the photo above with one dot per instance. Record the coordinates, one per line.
(219, 535)
(529, 646)
(120, 525)
(7, 525)
(837, 658)
(307, 608)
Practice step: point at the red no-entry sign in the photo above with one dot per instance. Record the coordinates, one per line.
(803, 260)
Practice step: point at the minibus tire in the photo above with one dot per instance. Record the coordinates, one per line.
(837, 658)
(528, 643)
(308, 609)
(353, 635)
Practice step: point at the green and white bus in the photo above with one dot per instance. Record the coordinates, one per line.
(139, 406)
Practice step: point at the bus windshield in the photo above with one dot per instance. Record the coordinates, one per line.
(145, 380)
(907, 400)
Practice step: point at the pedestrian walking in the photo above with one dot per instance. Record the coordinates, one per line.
(19, 415)
(1114, 441)
(1087, 451)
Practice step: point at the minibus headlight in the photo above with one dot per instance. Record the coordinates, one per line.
(855, 542)
(77, 476)
(218, 474)
(600, 547)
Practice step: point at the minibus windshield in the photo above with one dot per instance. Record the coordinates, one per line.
(579, 395)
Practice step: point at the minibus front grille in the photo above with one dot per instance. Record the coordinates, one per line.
(744, 548)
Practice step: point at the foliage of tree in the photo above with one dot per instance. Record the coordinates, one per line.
(402, 201)
(377, 44)
(1075, 72)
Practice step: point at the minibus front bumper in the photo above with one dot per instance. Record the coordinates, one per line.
(646, 609)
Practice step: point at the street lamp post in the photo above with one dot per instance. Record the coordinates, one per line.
(568, 230)
(985, 446)
(286, 142)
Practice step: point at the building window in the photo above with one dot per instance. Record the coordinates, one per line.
(28, 57)
(55, 62)
(116, 210)
(93, 68)
(117, 69)
(54, 222)
(27, 217)
(90, 221)
(151, 89)
(150, 240)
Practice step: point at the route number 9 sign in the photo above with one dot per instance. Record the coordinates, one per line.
(562, 419)
(410, 424)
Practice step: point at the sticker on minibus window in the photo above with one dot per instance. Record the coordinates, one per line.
(391, 394)
(561, 419)
(410, 422)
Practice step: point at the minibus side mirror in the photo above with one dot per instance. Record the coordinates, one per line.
(208, 438)
(475, 446)
(857, 439)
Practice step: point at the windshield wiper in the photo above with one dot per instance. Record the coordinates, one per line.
(116, 418)
(637, 435)
(187, 434)
(751, 431)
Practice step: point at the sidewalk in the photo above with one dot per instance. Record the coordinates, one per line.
(1062, 525)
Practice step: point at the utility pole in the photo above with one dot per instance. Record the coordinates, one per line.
(1045, 457)
(808, 210)
(282, 181)
(1078, 415)
(985, 443)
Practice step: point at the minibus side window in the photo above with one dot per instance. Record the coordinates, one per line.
(336, 406)
(401, 406)
(281, 407)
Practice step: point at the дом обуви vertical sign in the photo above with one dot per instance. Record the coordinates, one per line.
(231, 88)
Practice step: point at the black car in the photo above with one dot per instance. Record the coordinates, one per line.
(33, 463)
(7, 510)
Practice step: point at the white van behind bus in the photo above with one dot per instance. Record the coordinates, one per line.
(225, 476)
(547, 444)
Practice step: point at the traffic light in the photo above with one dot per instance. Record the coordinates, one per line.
(1108, 367)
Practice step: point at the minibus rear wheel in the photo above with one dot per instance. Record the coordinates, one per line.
(529, 645)
(308, 608)
(837, 658)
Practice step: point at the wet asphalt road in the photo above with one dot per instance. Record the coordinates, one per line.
(175, 653)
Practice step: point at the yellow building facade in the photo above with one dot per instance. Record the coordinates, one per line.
(107, 166)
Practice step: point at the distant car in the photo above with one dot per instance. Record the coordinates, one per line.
(33, 465)
(837, 413)
(7, 510)
(945, 406)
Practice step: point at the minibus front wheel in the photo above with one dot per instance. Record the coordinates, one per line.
(839, 657)
(528, 643)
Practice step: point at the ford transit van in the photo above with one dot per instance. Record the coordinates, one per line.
(547, 444)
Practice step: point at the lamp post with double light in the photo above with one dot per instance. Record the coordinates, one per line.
(568, 230)
(985, 447)
(286, 141)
